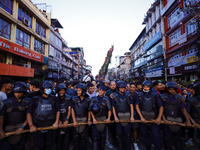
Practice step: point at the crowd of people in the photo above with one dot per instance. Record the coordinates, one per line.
(74, 112)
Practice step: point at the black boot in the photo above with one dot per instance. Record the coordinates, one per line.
(83, 141)
(75, 142)
(66, 142)
(148, 147)
(59, 141)
(128, 142)
(178, 144)
(103, 142)
(119, 142)
(95, 144)
(167, 143)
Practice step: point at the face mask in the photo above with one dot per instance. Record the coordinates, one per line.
(145, 91)
(48, 91)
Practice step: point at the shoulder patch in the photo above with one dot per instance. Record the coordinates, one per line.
(163, 97)
(191, 99)
(140, 93)
(94, 98)
(106, 98)
(87, 99)
(75, 98)
(27, 100)
(68, 97)
(154, 93)
(127, 94)
(7, 101)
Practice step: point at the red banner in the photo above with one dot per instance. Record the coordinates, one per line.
(19, 50)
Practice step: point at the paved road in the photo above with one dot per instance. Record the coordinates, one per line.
(142, 147)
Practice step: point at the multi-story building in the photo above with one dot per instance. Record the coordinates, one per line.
(181, 39)
(78, 54)
(124, 66)
(138, 61)
(24, 32)
(154, 48)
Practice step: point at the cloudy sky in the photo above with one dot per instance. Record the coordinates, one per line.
(97, 24)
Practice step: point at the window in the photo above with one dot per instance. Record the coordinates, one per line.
(40, 29)
(159, 13)
(155, 29)
(18, 61)
(4, 29)
(155, 15)
(2, 57)
(186, 2)
(174, 37)
(191, 27)
(160, 27)
(7, 5)
(151, 21)
(23, 14)
(174, 17)
(38, 47)
(22, 38)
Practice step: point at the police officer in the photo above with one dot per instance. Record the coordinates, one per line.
(80, 114)
(13, 118)
(174, 109)
(122, 110)
(193, 107)
(100, 108)
(43, 111)
(149, 107)
(65, 105)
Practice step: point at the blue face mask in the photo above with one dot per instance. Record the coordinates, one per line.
(145, 91)
(48, 91)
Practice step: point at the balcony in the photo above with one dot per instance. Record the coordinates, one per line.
(12, 70)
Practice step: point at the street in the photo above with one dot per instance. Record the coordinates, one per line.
(142, 147)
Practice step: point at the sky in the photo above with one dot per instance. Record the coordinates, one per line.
(96, 25)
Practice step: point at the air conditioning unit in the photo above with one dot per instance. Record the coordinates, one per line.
(26, 22)
(26, 65)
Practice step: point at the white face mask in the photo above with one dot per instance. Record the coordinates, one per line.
(48, 91)
(145, 91)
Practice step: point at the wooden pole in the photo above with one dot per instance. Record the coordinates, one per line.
(80, 124)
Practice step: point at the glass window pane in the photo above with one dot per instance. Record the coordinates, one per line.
(9, 29)
(10, 5)
(7, 3)
(19, 11)
(26, 16)
(5, 27)
(22, 13)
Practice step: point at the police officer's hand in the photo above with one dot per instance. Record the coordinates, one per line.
(65, 124)
(19, 131)
(2, 134)
(132, 120)
(33, 129)
(95, 121)
(157, 121)
(60, 125)
(89, 122)
(166, 122)
(55, 126)
(188, 123)
(143, 120)
(107, 120)
(75, 124)
(116, 119)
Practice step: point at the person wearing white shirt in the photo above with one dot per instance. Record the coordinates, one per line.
(91, 90)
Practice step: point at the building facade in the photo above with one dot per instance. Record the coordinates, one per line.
(138, 61)
(181, 39)
(154, 48)
(24, 38)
